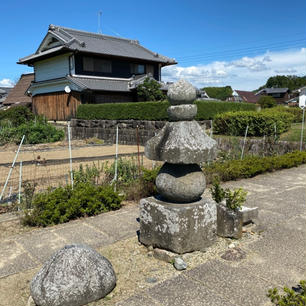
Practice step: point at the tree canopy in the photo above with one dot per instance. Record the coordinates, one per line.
(220, 93)
(285, 81)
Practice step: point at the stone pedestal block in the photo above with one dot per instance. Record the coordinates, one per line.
(229, 222)
(179, 228)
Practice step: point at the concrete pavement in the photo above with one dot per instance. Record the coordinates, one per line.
(276, 258)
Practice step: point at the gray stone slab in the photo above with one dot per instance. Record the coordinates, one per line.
(181, 291)
(13, 259)
(82, 233)
(130, 217)
(283, 245)
(234, 283)
(41, 245)
(138, 300)
(113, 226)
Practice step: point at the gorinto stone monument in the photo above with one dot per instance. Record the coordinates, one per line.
(179, 219)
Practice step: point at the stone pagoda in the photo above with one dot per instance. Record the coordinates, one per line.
(179, 219)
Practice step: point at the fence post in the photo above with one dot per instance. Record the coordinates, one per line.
(11, 169)
(138, 154)
(246, 133)
(116, 159)
(302, 131)
(20, 183)
(211, 129)
(70, 155)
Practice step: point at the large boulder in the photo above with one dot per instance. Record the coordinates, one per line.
(75, 275)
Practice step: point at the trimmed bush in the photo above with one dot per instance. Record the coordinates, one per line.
(252, 166)
(64, 203)
(154, 110)
(150, 90)
(260, 123)
(295, 111)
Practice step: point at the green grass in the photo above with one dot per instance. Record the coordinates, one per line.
(294, 133)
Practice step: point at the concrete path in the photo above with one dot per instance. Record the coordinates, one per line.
(277, 258)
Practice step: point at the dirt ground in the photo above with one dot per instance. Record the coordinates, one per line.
(46, 174)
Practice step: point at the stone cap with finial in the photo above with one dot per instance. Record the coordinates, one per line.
(181, 96)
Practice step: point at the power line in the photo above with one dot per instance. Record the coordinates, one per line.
(278, 45)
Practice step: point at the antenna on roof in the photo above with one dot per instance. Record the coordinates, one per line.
(99, 22)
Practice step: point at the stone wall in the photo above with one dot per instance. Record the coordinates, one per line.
(106, 130)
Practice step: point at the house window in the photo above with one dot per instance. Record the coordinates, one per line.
(137, 69)
(96, 65)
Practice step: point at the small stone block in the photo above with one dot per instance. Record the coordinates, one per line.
(179, 228)
(164, 255)
(229, 222)
(248, 214)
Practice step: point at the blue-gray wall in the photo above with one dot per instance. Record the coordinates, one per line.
(53, 68)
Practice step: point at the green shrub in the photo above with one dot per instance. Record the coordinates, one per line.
(290, 297)
(150, 90)
(295, 111)
(38, 131)
(64, 203)
(233, 199)
(17, 115)
(252, 166)
(154, 110)
(267, 102)
(259, 123)
(220, 93)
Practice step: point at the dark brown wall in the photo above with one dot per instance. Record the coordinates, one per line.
(57, 105)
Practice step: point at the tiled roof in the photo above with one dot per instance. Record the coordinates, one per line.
(272, 90)
(105, 84)
(247, 96)
(18, 93)
(72, 39)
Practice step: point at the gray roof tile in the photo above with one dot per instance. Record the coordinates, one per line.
(101, 44)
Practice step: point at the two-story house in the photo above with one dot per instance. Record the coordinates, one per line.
(73, 67)
(281, 95)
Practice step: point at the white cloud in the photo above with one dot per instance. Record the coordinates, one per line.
(7, 83)
(246, 73)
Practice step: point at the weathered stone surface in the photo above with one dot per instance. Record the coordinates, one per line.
(179, 228)
(234, 254)
(181, 92)
(248, 214)
(180, 183)
(182, 142)
(182, 112)
(179, 264)
(229, 222)
(75, 275)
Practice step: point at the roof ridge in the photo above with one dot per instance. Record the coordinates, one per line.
(97, 35)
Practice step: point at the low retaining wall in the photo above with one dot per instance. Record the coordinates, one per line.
(106, 130)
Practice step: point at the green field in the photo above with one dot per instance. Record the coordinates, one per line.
(294, 133)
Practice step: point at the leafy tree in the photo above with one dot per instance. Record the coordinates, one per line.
(266, 102)
(220, 93)
(285, 81)
(150, 90)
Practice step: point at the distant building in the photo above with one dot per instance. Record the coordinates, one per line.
(243, 96)
(281, 95)
(19, 93)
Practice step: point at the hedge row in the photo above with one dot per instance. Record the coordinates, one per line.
(154, 110)
(252, 166)
(259, 123)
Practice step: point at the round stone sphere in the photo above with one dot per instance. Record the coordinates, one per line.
(180, 183)
(181, 92)
(185, 112)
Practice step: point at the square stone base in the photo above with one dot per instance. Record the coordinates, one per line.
(179, 228)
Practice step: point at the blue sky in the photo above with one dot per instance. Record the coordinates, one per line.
(216, 43)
